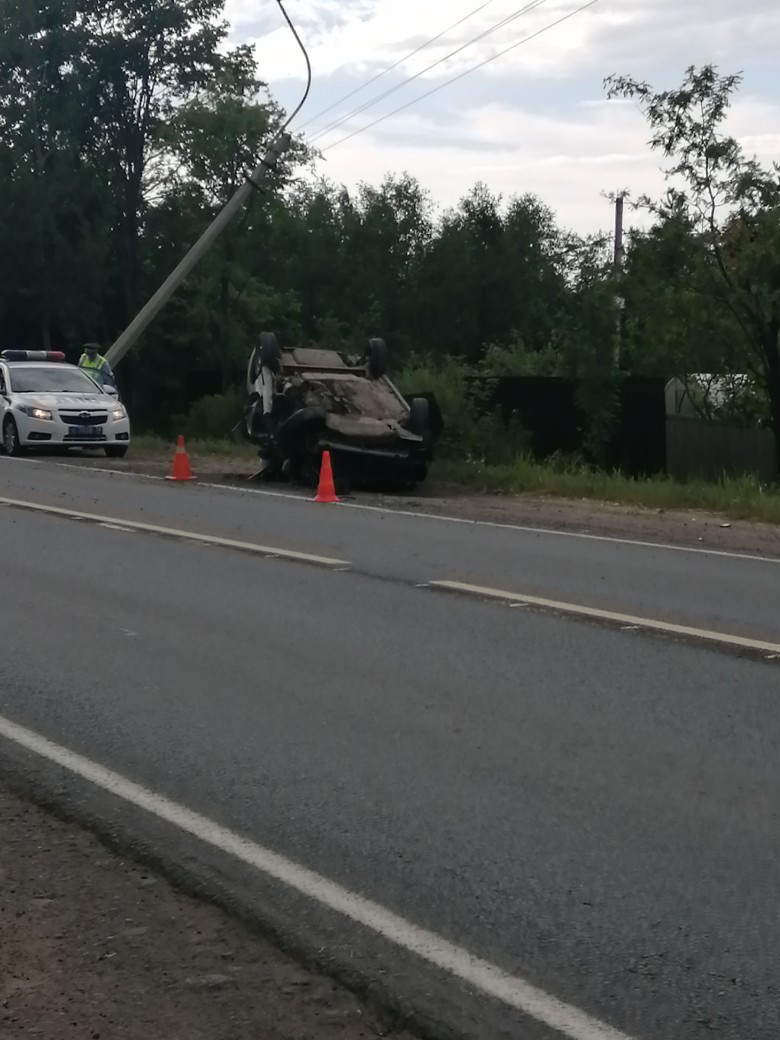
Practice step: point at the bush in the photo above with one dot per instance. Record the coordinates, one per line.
(515, 359)
(468, 433)
(212, 417)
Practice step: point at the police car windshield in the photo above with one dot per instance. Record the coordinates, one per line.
(50, 379)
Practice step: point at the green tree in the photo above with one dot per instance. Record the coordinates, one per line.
(86, 88)
(733, 206)
(208, 146)
(142, 60)
(669, 286)
(53, 204)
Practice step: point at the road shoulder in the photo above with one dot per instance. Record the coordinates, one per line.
(94, 945)
(689, 527)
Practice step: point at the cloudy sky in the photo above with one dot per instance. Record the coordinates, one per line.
(535, 119)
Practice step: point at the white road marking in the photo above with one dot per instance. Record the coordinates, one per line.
(390, 511)
(117, 527)
(173, 532)
(628, 620)
(481, 975)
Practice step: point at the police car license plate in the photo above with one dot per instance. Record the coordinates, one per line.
(86, 432)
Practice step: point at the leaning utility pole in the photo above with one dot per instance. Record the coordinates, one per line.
(149, 312)
(620, 302)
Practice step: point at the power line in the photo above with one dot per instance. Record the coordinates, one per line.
(440, 61)
(255, 183)
(323, 131)
(299, 41)
(395, 64)
(467, 72)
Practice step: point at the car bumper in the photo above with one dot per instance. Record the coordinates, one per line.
(38, 433)
(402, 461)
(399, 451)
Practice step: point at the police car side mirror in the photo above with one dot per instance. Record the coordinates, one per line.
(111, 391)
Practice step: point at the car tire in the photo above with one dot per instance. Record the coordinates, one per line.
(302, 423)
(11, 442)
(420, 417)
(306, 470)
(116, 451)
(270, 351)
(377, 358)
(252, 370)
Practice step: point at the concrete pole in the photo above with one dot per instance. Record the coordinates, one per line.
(149, 312)
(620, 302)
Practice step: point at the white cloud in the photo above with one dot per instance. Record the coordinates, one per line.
(360, 35)
(568, 161)
(535, 119)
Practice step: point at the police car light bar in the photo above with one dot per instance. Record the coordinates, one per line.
(32, 355)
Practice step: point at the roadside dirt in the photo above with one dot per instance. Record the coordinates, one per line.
(94, 947)
(586, 516)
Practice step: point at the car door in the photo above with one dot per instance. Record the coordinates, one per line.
(5, 402)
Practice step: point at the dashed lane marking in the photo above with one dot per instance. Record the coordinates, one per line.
(624, 620)
(118, 523)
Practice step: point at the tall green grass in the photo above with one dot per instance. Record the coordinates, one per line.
(737, 498)
(151, 447)
(479, 453)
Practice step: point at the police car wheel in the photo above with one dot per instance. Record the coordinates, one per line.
(116, 451)
(11, 438)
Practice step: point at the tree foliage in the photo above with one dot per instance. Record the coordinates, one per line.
(125, 125)
(723, 209)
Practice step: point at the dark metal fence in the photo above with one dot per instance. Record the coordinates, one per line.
(549, 410)
(696, 448)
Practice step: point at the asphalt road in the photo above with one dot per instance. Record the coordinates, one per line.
(708, 590)
(592, 810)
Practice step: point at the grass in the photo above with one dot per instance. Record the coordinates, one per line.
(148, 446)
(738, 498)
(741, 498)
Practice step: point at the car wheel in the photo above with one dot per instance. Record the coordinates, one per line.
(377, 358)
(307, 470)
(300, 425)
(11, 441)
(116, 451)
(270, 351)
(420, 417)
(252, 370)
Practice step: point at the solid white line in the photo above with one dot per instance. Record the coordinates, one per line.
(516, 598)
(489, 979)
(525, 529)
(173, 532)
(390, 511)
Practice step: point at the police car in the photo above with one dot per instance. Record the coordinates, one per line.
(45, 402)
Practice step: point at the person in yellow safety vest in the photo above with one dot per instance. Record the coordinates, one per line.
(95, 365)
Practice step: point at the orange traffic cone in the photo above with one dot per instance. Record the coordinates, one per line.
(326, 492)
(181, 463)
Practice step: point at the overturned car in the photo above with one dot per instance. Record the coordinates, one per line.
(305, 400)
